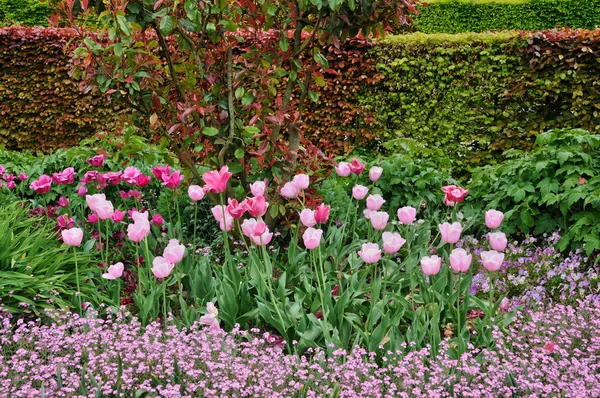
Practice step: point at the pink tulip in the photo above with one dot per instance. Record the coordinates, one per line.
(289, 191)
(307, 218)
(131, 174)
(23, 177)
(159, 171)
(312, 238)
(236, 209)
(226, 223)
(161, 268)
(263, 239)
(218, 212)
(172, 181)
(258, 188)
(93, 201)
(450, 232)
(301, 181)
(11, 185)
(138, 231)
(139, 217)
(454, 194)
(322, 213)
(174, 251)
(498, 241)
(92, 218)
(379, 219)
(407, 215)
(118, 216)
(105, 209)
(211, 318)
(65, 177)
(431, 265)
(343, 169)
(41, 185)
(72, 237)
(65, 222)
(216, 181)
(359, 192)
(356, 167)
(367, 213)
(392, 242)
(195, 193)
(370, 253)
(449, 203)
(89, 176)
(249, 227)
(82, 190)
(493, 218)
(114, 271)
(374, 202)
(375, 173)
(257, 206)
(113, 177)
(492, 260)
(157, 220)
(96, 161)
(460, 260)
(63, 202)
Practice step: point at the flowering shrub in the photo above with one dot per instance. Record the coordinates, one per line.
(557, 350)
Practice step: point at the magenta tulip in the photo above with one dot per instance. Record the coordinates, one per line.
(407, 215)
(157, 220)
(92, 218)
(450, 232)
(498, 241)
(174, 251)
(195, 193)
(493, 218)
(142, 180)
(159, 171)
(359, 192)
(114, 272)
(454, 194)
(307, 218)
(118, 216)
(375, 173)
(236, 209)
(370, 253)
(72, 237)
(258, 188)
(65, 177)
(172, 181)
(23, 177)
(374, 202)
(356, 167)
(82, 190)
(63, 202)
(460, 260)
(130, 175)
(41, 185)
(96, 161)
(492, 260)
(431, 265)
(392, 242)
(343, 169)
(216, 181)
(312, 238)
(379, 219)
(322, 213)
(161, 268)
(257, 206)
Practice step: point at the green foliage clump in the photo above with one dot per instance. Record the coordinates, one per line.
(556, 185)
(24, 12)
(456, 16)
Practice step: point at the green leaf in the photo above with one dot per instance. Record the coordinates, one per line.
(167, 23)
(210, 131)
(239, 153)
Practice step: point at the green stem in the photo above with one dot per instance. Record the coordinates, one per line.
(195, 226)
(458, 329)
(147, 253)
(107, 235)
(77, 279)
(165, 301)
(139, 268)
(176, 203)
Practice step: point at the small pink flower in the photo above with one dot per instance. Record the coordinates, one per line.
(114, 272)
(504, 304)
(356, 167)
(23, 177)
(157, 219)
(370, 253)
(450, 232)
(195, 193)
(289, 191)
(375, 173)
(211, 318)
(379, 219)
(174, 251)
(454, 194)
(343, 169)
(92, 218)
(216, 181)
(173, 180)
(407, 215)
(82, 190)
(41, 185)
(492, 260)
(312, 238)
(131, 174)
(96, 161)
(392, 242)
(307, 218)
(258, 188)
(498, 241)
(374, 202)
(118, 216)
(581, 180)
(460, 260)
(257, 206)
(431, 265)
(359, 192)
(161, 268)
(63, 202)
(72, 237)
(493, 218)
(142, 180)
(322, 213)
(301, 181)
(65, 177)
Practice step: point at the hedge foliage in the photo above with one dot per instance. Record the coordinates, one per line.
(456, 16)
(41, 106)
(24, 12)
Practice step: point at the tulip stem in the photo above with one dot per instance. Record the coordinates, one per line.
(165, 301)
(107, 234)
(269, 270)
(458, 330)
(195, 226)
(147, 259)
(139, 269)
(77, 278)
(176, 204)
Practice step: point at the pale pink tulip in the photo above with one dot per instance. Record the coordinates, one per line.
(307, 218)
(492, 260)
(263, 239)
(174, 251)
(375, 173)
(137, 231)
(249, 226)
(498, 241)
(195, 193)
(370, 253)
(216, 181)
(105, 209)
(359, 192)
(72, 237)
(431, 265)
(114, 272)
(93, 200)
(258, 188)
(460, 260)
(301, 181)
(493, 218)
(218, 212)
(392, 242)
(161, 268)
(450, 232)
(343, 169)
(139, 217)
(312, 238)
(407, 215)
(211, 318)
(374, 202)
(379, 219)
(289, 191)
(225, 224)
(367, 213)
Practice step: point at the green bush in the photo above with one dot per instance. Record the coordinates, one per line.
(556, 185)
(24, 12)
(456, 16)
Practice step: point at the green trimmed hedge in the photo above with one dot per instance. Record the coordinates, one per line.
(24, 12)
(456, 16)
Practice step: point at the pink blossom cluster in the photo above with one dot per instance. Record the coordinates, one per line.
(8, 179)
